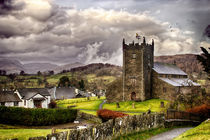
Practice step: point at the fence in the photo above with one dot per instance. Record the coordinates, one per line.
(173, 114)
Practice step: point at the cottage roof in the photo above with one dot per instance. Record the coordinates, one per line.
(163, 68)
(65, 93)
(9, 96)
(179, 81)
(27, 93)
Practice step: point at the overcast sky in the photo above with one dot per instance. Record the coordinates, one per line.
(88, 31)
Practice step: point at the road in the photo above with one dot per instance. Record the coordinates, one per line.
(169, 135)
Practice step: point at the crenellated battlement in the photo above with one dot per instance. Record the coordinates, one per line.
(134, 45)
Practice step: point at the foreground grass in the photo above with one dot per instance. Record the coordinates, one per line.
(201, 132)
(22, 134)
(153, 105)
(143, 135)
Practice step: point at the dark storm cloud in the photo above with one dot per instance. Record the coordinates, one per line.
(42, 31)
(207, 31)
(7, 6)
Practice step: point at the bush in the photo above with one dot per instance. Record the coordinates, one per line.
(36, 117)
(202, 110)
(52, 104)
(106, 114)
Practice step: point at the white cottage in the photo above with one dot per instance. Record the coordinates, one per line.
(33, 97)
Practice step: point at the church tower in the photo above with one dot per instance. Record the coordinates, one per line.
(137, 70)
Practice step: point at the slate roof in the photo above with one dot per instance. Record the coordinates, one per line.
(9, 96)
(163, 68)
(27, 93)
(179, 81)
(65, 93)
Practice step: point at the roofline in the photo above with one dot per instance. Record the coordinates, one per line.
(35, 95)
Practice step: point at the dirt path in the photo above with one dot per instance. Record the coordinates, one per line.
(169, 135)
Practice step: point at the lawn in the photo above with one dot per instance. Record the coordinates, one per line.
(153, 105)
(201, 132)
(22, 134)
(89, 105)
(143, 135)
(81, 103)
(78, 100)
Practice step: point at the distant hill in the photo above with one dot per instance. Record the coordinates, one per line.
(99, 69)
(11, 65)
(67, 67)
(187, 62)
(35, 67)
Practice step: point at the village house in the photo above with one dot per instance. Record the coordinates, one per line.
(9, 98)
(61, 93)
(33, 97)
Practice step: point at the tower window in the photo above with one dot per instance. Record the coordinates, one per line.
(164, 89)
(134, 56)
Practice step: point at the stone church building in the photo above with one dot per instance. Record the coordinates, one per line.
(145, 79)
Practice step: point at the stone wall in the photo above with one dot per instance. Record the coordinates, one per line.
(111, 128)
(158, 91)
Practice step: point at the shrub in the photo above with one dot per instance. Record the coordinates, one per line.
(106, 114)
(52, 104)
(202, 110)
(36, 117)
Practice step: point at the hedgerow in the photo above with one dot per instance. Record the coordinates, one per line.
(36, 117)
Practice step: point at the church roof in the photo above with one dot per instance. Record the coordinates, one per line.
(177, 82)
(163, 68)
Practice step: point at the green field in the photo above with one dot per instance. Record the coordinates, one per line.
(90, 105)
(81, 103)
(22, 134)
(201, 132)
(92, 81)
(153, 105)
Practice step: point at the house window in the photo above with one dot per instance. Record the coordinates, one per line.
(24, 102)
(15, 103)
(164, 89)
(3, 103)
(134, 56)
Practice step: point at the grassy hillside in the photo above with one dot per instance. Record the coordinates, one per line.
(95, 76)
(201, 132)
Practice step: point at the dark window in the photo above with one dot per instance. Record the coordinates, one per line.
(15, 103)
(3, 103)
(164, 89)
(24, 102)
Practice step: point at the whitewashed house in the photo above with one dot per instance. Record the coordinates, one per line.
(33, 97)
(9, 98)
